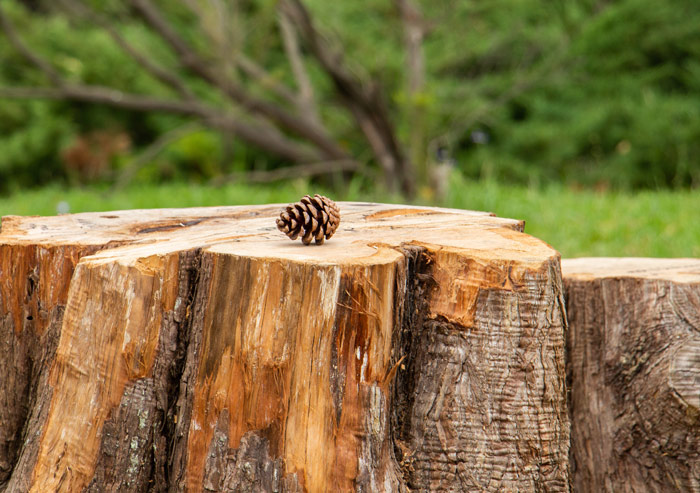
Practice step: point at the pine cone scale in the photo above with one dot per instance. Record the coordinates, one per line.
(314, 218)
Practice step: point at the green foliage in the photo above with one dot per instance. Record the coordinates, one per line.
(585, 92)
(30, 138)
(621, 106)
(197, 155)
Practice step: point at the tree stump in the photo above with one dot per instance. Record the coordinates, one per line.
(419, 349)
(633, 365)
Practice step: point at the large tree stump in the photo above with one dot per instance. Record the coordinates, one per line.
(634, 374)
(417, 350)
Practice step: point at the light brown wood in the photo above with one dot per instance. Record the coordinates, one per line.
(634, 371)
(418, 349)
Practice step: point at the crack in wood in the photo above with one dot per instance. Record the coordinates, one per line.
(253, 360)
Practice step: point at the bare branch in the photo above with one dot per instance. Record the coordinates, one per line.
(366, 104)
(261, 136)
(265, 79)
(103, 95)
(34, 58)
(305, 101)
(215, 21)
(31, 93)
(413, 33)
(192, 61)
(248, 66)
(163, 28)
(167, 77)
(289, 172)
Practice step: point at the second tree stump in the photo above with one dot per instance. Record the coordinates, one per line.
(634, 368)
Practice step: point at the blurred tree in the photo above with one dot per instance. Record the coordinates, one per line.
(239, 95)
(588, 92)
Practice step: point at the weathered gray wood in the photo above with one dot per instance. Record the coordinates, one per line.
(633, 365)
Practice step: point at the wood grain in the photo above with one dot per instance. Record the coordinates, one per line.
(634, 369)
(199, 349)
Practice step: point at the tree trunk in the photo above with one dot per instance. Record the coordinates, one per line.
(634, 373)
(418, 349)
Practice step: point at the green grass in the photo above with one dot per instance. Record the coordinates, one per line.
(577, 223)
(589, 223)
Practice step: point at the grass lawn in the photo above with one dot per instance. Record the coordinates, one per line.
(577, 223)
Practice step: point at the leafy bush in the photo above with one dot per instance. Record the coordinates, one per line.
(622, 107)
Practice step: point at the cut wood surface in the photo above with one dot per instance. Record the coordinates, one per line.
(634, 370)
(418, 349)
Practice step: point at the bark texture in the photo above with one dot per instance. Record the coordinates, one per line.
(418, 349)
(634, 374)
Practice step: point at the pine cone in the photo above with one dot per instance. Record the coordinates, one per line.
(312, 217)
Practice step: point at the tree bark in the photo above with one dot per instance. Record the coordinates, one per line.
(633, 365)
(419, 349)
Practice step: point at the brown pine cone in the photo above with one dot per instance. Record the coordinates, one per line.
(312, 217)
